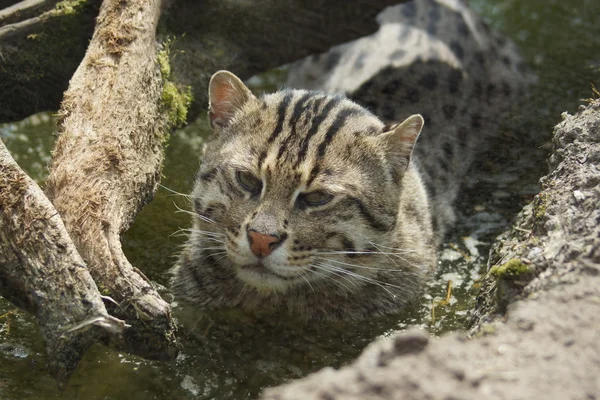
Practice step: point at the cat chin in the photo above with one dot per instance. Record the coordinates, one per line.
(266, 281)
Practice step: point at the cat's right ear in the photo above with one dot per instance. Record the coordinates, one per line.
(400, 141)
(226, 94)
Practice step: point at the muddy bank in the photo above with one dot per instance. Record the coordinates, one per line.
(536, 326)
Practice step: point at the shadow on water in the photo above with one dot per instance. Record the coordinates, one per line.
(231, 355)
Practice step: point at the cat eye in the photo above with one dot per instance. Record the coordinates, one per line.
(249, 182)
(316, 198)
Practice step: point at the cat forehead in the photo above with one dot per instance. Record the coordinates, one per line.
(301, 119)
(293, 105)
(292, 128)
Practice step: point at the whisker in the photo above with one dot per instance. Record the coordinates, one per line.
(337, 273)
(366, 279)
(390, 258)
(391, 248)
(361, 266)
(202, 217)
(175, 192)
(400, 257)
(214, 248)
(309, 284)
(206, 233)
(360, 252)
(370, 280)
(325, 277)
(220, 258)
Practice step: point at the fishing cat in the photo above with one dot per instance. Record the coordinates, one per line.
(308, 203)
(300, 199)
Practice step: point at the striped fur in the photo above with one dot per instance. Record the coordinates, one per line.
(365, 252)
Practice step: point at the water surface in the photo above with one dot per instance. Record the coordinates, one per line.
(234, 355)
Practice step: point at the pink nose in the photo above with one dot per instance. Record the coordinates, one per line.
(261, 244)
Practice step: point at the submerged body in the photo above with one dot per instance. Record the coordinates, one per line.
(306, 203)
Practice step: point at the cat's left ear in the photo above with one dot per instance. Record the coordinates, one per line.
(400, 141)
(226, 94)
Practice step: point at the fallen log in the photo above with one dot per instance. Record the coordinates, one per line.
(42, 272)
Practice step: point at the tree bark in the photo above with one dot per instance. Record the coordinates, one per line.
(247, 37)
(42, 272)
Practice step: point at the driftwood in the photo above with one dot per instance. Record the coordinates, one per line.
(107, 162)
(246, 37)
(42, 272)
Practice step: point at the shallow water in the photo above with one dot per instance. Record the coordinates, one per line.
(234, 355)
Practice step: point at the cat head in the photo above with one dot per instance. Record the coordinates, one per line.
(295, 184)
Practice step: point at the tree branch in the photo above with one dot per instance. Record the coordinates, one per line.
(41, 272)
(107, 162)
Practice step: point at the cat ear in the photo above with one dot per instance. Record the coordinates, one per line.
(400, 141)
(226, 94)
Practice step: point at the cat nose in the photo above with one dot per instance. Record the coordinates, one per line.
(263, 244)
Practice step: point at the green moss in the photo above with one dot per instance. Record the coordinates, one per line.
(69, 7)
(488, 329)
(176, 100)
(163, 61)
(104, 291)
(513, 269)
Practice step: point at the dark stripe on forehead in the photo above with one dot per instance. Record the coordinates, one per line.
(314, 127)
(313, 174)
(281, 110)
(339, 122)
(261, 159)
(370, 218)
(299, 109)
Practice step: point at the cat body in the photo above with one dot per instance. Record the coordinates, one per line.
(436, 58)
(307, 203)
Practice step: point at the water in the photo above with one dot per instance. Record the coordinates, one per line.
(234, 355)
